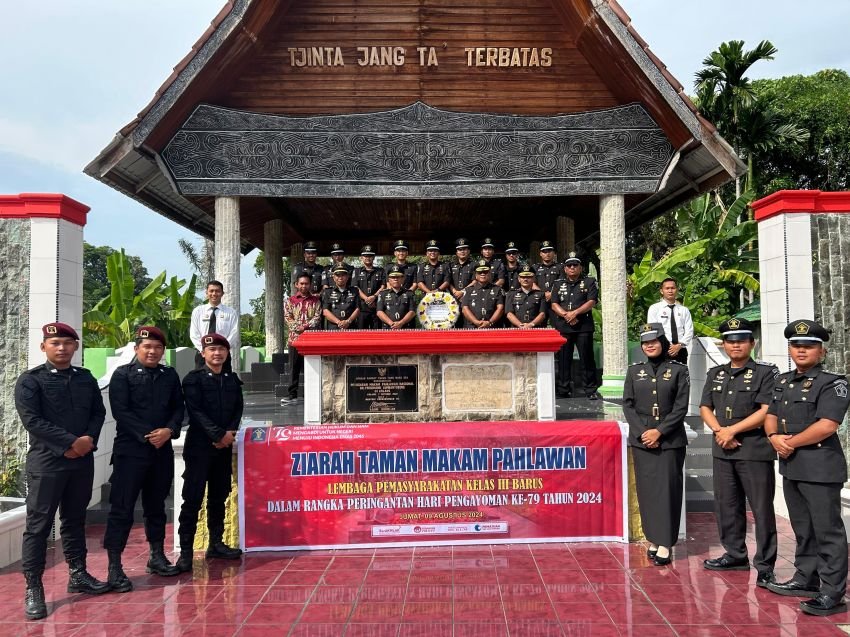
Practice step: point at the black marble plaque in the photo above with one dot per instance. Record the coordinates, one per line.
(382, 388)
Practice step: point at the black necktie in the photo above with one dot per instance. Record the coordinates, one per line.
(212, 326)
(674, 333)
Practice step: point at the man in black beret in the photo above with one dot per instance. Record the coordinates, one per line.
(808, 405)
(62, 410)
(147, 404)
(734, 404)
(214, 402)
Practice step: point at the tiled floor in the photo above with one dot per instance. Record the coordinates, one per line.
(485, 591)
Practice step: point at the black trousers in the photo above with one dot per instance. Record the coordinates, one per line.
(658, 482)
(296, 366)
(152, 477)
(735, 483)
(821, 556)
(200, 362)
(67, 491)
(210, 471)
(368, 320)
(584, 342)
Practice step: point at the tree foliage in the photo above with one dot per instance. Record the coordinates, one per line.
(96, 284)
(820, 103)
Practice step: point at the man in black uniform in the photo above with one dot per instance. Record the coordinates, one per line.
(400, 251)
(548, 270)
(734, 404)
(462, 269)
(808, 406)
(61, 408)
(337, 261)
(369, 282)
(309, 267)
(497, 268)
(484, 303)
(340, 303)
(526, 307)
(147, 404)
(396, 305)
(214, 402)
(512, 266)
(433, 274)
(573, 298)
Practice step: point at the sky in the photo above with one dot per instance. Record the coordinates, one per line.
(75, 72)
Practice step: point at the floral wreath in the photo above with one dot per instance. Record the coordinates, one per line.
(435, 298)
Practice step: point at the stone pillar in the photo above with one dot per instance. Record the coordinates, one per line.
(273, 249)
(41, 247)
(565, 236)
(612, 240)
(228, 258)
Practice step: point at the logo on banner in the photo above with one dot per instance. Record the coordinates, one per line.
(258, 435)
(281, 433)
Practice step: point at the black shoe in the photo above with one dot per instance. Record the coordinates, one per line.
(222, 551)
(81, 581)
(726, 563)
(158, 564)
(34, 604)
(594, 395)
(116, 577)
(662, 561)
(823, 605)
(650, 553)
(792, 588)
(184, 562)
(764, 578)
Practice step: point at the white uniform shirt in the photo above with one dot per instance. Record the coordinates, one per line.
(660, 313)
(226, 323)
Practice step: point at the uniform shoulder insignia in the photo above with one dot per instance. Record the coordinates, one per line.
(637, 363)
(36, 369)
(715, 369)
(767, 363)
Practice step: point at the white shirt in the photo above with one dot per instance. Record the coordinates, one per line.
(660, 313)
(226, 323)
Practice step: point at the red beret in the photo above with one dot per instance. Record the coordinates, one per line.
(152, 332)
(59, 329)
(214, 339)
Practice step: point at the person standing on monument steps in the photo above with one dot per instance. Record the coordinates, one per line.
(483, 303)
(340, 303)
(400, 252)
(213, 318)
(214, 402)
(734, 405)
(525, 307)
(301, 312)
(369, 281)
(62, 410)
(511, 268)
(396, 304)
(676, 319)
(147, 403)
(433, 274)
(808, 405)
(655, 403)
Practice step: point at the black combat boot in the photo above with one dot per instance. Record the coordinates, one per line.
(158, 564)
(219, 549)
(34, 605)
(81, 581)
(117, 578)
(184, 562)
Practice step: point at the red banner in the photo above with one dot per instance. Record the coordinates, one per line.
(336, 486)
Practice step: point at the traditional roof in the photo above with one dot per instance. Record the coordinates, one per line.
(603, 31)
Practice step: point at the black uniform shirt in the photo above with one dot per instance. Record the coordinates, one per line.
(143, 399)
(316, 273)
(800, 400)
(327, 275)
(369, 282)
(341, 303)
(57, 407)
(571, 295)
(497, 269)
(433, 276)
(657, 399)
(483, 301)
(511, 278)
(461, 274)
(734, 394)
(214, 403)
(525, 306)
(546, 275)
(396, 305)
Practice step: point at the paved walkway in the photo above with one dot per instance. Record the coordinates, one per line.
(484, 591)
